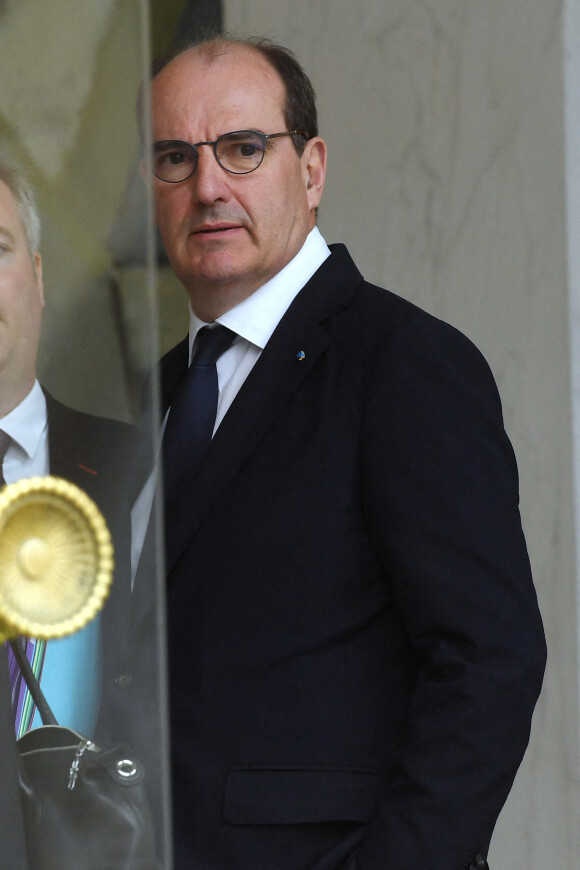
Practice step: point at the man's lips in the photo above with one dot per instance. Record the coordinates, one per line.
(210, 229)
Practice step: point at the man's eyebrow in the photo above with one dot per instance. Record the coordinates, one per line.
(6, 234)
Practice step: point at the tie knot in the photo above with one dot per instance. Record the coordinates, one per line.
(211, 342)
(5, 440)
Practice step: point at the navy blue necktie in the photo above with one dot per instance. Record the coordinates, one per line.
(191, 419)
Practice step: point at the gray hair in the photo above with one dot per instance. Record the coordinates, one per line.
(25, 198)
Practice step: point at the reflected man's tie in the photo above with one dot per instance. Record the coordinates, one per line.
(191, 422)
(4, 445)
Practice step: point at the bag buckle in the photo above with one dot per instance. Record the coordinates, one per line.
(74, 768)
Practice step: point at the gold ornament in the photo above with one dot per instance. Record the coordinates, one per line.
(56, 558)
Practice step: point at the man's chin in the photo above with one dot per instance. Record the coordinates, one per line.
(216, 269)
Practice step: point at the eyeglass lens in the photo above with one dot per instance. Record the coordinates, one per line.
(239, 152)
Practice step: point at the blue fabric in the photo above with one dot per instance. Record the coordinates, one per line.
(71, 678)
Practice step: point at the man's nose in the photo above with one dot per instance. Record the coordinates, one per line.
(209, 181)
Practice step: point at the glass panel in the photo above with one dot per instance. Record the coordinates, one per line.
(67, 118)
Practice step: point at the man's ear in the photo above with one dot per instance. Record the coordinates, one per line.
(314, 168)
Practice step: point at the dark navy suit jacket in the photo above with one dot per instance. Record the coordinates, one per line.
(355, 647)
(93, 453)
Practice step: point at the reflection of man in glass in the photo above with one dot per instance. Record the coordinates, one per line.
(355, 647)
(38, 436)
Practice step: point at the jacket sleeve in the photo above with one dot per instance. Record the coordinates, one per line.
(441, 499)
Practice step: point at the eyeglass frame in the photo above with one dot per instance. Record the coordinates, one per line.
(265, 137)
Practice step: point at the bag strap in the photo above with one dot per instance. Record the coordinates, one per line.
(46, 714)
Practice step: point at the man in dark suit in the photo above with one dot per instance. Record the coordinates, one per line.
(48, 437)
(355, 647)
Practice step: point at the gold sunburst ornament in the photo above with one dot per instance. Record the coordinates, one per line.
(56, 558)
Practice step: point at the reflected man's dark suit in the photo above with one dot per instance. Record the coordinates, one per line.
(92, 453)
(355, 647)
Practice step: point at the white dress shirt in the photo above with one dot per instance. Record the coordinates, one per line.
(253, 320)
(27, 425)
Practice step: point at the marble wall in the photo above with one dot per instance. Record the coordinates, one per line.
(67, 114)
(446, 126)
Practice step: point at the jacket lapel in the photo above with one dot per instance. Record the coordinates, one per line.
(297, 343)
(173, 368)
(96, 455)
(69, 455)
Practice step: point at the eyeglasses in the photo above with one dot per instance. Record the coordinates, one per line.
(239, 152)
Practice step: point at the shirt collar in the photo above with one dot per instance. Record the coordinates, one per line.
(27, 421)
(256, 317)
